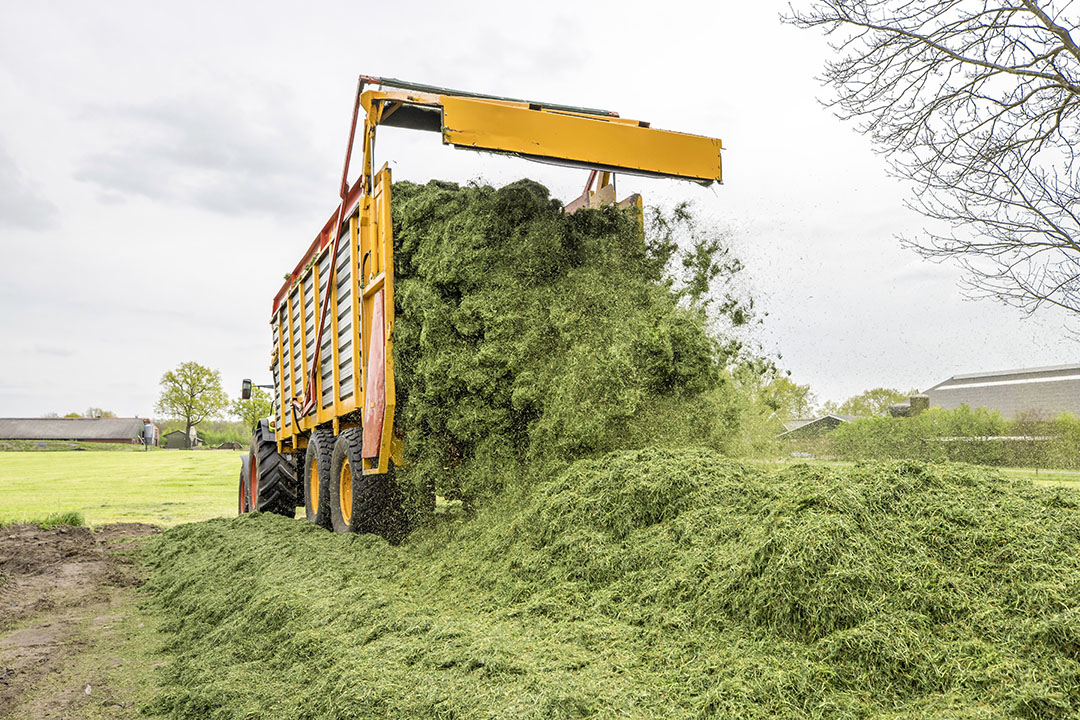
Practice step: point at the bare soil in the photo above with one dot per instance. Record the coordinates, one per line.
(64, 593)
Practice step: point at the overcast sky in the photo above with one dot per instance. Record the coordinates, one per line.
(162, 165)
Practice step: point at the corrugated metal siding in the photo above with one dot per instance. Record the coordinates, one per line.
(276, 369)
(302, 307)
(296, 364)
(309, 318)
(100, 429)
(1042, 391)
(343, 281)
(288, 393)
(326, 355)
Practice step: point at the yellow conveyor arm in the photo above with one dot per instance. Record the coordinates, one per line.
(580, 137)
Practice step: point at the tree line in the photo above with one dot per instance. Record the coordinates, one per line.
(787, 400)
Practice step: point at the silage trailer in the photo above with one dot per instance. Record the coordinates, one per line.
(331, 443)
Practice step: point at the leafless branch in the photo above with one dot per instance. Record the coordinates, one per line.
(976, 102)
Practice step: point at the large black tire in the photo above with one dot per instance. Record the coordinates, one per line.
(376, 502)
(318, 459)
(273, 486)
(244, 493)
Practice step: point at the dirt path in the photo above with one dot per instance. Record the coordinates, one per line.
(66, 621)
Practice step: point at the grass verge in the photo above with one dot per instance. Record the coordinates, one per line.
(50, 521)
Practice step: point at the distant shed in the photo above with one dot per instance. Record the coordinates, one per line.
(101, 430)
(176, 440)
(815, 428)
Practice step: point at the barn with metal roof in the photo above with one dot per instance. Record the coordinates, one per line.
(1043, 392)
(812, 428)
(105, 430)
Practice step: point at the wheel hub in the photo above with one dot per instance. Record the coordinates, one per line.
(345, 492)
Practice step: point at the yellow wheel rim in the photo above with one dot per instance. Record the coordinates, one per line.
(345, 492)
(313, 485)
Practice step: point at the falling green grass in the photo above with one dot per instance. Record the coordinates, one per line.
(526, 337)
(628, 584)
(673, 584)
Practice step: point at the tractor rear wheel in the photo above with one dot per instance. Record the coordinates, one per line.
(363, 503)
(273, 474)
(316, 480)
(244, 494)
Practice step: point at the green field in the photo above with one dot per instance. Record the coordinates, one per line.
(164, 488)
(1065, 478)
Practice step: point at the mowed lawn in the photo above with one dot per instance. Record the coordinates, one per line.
(1065, 478)
(164, 487)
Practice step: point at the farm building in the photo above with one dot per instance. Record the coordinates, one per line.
(1040, 392)
(813, 427)
(179, 440)
(103, 430)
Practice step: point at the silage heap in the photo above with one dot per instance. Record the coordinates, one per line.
(525, 337)
(654, 583)
(633, 583)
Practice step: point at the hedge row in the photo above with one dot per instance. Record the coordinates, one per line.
(962, 435)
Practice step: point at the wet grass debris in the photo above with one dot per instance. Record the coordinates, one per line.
(525, 337)
(640, 584)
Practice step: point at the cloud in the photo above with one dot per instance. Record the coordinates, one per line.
(232, 155)
(21, 206)
(921, 271)
(54, 351)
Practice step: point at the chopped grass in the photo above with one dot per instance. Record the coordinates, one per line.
(583, 578)
(526, 337)
(654, 583)
(1039, 476)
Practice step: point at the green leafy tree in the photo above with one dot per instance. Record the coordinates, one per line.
(785, 399)
(872, 402)
(252, 410)
(92, 412)
(192, 393)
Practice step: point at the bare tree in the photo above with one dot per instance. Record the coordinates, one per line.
(975, 101)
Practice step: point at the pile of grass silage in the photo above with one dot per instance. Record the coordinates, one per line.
(526, 337)
(650, 583)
